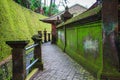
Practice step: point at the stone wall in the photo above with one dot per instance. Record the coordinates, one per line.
(84, 44)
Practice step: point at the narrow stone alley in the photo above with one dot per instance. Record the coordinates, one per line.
(59, 66)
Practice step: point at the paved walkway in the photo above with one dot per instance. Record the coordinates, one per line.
(59, 66)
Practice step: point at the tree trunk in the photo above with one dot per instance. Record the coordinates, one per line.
(44, 2)
(110, 23)
(40, 6)
(50, 7)
(54, 1)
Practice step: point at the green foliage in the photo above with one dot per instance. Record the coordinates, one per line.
(34, 4)
(54, 9)
(6, 71)
(17, 23)
(22, 2)
(46, 10)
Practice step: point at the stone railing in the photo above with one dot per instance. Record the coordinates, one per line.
(20, 70)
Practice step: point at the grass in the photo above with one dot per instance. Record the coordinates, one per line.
(17, 23)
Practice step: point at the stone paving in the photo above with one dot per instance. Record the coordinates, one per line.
(59, 66)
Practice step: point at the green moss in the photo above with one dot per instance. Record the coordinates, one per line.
(75, 36)
(17, 23)
(61, 40)
(109, 70)
(111, 74)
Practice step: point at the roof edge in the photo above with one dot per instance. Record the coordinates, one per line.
(82, 16)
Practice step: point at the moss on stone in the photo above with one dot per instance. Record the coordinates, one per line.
(17, 23)
(75, 36)
(61, 40)
(32, 73)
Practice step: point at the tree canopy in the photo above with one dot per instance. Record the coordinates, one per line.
(39, 6)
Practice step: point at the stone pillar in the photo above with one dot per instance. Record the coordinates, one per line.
(37, 53)
(45, 35)
(48, 36)
(53, 41)
(40, 35)
(18, 59)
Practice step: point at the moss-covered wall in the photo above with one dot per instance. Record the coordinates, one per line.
(84, 44)
(17, 23)
(61, 38)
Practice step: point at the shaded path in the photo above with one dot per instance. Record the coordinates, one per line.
(59, 66)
